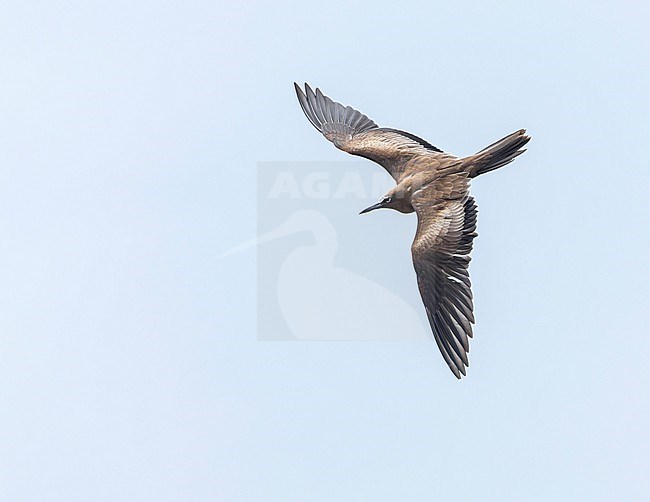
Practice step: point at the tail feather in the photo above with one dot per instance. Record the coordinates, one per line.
(498, 154)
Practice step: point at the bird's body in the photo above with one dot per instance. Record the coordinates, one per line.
(435, 185)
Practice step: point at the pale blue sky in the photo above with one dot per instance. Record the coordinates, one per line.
(129, 362)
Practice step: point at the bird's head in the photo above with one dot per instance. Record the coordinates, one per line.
(395, 199)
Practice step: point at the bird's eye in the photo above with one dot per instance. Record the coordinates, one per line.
(386, 200)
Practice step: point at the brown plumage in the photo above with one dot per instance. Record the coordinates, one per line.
(435, 185)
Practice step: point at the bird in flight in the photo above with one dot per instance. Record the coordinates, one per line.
(434, 185)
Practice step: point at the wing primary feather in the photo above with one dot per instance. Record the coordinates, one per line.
(313, 103)
(461, 275)
(453, 311)
(306, 108)
(452, 341)
(458, 329)
(323, 106)
(336, 116)
(347, 113)
(463, 302)
(445, 356)
(452, 354)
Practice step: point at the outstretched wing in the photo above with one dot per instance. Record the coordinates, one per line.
(353, 132)
(443, 242)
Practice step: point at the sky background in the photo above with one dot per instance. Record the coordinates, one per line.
(130, 366)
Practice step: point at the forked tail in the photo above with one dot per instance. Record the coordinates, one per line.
(498, 154)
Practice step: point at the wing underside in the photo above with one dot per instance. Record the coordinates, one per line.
(441, 259)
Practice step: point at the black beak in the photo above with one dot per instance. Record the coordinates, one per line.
(372, 208)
